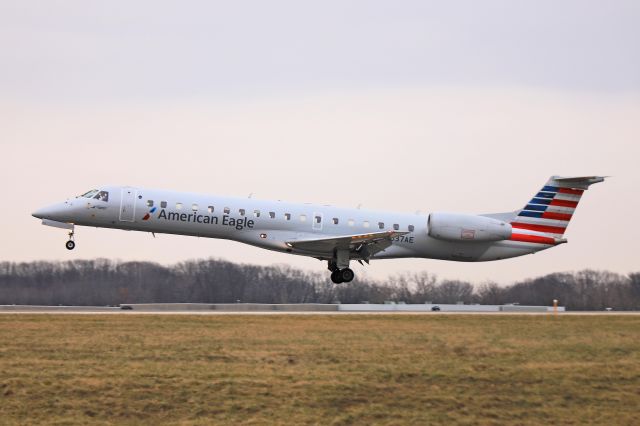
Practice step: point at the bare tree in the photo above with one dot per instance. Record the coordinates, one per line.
(453, 291)
(107, 282)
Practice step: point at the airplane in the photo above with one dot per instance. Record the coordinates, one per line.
(335, 235)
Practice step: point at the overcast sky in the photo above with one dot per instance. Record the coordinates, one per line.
(405, 105)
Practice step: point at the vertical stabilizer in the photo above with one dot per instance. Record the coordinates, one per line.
(547, 215)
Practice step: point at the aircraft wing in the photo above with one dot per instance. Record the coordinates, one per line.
(365, 245)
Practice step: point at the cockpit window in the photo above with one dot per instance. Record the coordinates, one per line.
(89, 194)
(102, 196)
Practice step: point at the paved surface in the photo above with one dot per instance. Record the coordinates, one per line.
(100, 310)
(284, 308)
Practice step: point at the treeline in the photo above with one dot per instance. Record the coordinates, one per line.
(106, 282)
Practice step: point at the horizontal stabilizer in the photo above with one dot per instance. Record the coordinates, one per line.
(582, 182)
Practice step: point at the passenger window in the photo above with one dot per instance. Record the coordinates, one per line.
(411, 228)
(365, 223)
(303, 218)
(210, 208)
(272, 215)
(318, 219)
(163, 204)
(178, 206)
(256, 213)
(351, 222)
(194, 207)
(287, 216)
(335, 220)
(242, 212)
(149, 203)
(381, 225)
(396, 226)
(227, 210)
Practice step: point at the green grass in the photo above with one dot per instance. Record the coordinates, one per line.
(352, 369)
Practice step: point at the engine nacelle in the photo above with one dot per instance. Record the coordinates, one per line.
(467, 227)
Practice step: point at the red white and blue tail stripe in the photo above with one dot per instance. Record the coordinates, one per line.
(545, 218)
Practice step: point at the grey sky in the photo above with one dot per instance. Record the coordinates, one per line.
(92, 50)
(465, 106)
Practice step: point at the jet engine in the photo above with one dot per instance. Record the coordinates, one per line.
(466, 227)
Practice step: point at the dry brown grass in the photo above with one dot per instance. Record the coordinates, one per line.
(129, 369)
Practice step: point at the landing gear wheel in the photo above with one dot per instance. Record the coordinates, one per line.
(336, 277)
(347, 275)
(70, 245)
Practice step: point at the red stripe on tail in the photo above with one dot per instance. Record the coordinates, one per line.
(556, 216)
(570, 191)
(564, 203)
(532, 239)
(539, 228)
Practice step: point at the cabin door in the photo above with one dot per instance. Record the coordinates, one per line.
(128, 205)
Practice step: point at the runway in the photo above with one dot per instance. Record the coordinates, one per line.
(100, 310)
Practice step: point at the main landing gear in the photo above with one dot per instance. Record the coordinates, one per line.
(339, 267)
(340, 276)
(70, 245)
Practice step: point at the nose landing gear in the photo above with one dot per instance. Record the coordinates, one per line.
(70, 245)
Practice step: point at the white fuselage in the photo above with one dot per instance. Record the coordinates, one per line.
(271, 225)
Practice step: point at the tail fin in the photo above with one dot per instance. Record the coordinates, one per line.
(547, 215)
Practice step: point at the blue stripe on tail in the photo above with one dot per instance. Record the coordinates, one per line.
(530, 214)
(535, 207)
(540, 201)
(545, 194)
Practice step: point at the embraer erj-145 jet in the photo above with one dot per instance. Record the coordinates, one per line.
(336, 235)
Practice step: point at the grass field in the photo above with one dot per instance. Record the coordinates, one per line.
(352, 369)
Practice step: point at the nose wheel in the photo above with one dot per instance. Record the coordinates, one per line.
(70, 245)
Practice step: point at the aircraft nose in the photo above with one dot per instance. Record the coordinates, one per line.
(42, 213)
(54, 212)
